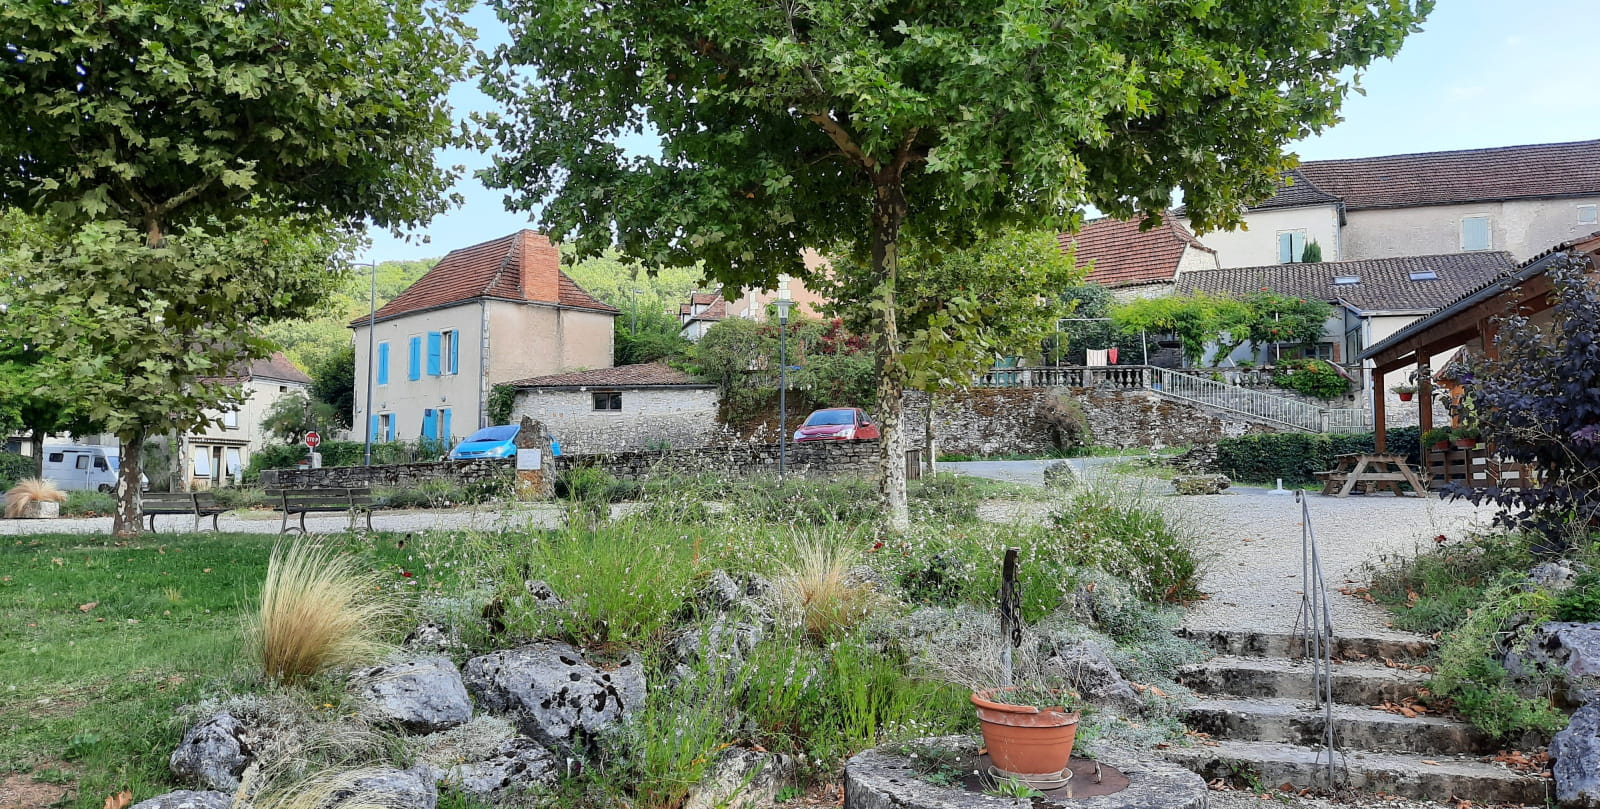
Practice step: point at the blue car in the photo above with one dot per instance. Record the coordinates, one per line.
(494, 442)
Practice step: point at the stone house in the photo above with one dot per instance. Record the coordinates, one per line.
(705, 309)
(1137, 263)
(625, 408)
(216, 456)
(1515, 199)
(1372, 298)
(490, 313)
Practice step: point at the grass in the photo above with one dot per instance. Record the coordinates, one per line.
(319, 609)
(818, 589)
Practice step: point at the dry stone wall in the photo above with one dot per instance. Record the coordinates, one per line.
(397, 475)
(650, 418)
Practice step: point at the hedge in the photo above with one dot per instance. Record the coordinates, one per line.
(14, 467)
(1294, 457)
(344, 453)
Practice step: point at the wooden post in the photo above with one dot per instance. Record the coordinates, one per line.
(1424, 394)
(1380, 419)
(1010, 613)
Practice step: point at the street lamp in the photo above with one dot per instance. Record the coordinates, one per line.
(635, 328)
(784, 304)
(372, 357)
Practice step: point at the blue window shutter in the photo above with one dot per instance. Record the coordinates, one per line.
(445, 429)
(383, 363)
(455, 354)
(428, 425)
(433, 353)
(414, 361)
(372, 429)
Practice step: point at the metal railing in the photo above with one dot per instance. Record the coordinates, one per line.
(1249, 401)
(1314, 627)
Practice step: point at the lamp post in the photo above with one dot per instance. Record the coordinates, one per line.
(784, 304)
(635, 328)
(372, 357)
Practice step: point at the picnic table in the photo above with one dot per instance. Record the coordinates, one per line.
(1372, 472)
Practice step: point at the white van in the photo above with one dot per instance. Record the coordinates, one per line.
(73, 467)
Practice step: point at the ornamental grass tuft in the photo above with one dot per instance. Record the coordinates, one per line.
(29, 491)
(319, 609)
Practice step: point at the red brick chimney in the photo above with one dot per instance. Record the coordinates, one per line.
(540, 262)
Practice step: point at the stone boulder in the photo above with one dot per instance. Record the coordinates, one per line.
(1201, 484)
(188, 799)
(520, 764)
(392, 789)
(1092, 673)
(721, 594)
(421, 696)
(552, 694)
(433, 638)
(1569, 650)
(1553, 576)
(1060, 475)
(741, 779)
(1576, 751)
(215, 752)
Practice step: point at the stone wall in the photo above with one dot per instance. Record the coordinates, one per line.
(1003, 421)
(650, 418)
(401, 475)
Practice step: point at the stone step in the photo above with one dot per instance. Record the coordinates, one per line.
(1244, 642)
(1269, 765)
(1263, 677)
(1291, 721)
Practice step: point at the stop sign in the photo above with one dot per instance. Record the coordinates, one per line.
(312, 439)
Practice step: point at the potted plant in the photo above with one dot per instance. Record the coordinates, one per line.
(1437, 437)
(34, 498)
(1405, 391)
(1466, 437)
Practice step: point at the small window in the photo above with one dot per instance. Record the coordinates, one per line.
(610, 400)
(234, 461)
(386, 427)
(100, 465)
(283, 388)
(83, 462)
(1588, 214)
(1346, 280)
(55, 457)
(1475, 233)
(202, 462)
(1291, 246)
(447, 351)
(1424, 275)
(230, 420)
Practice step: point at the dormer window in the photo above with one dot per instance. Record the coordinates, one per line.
(1424, 275)
(1346, 280)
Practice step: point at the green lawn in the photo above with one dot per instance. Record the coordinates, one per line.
(100, 639)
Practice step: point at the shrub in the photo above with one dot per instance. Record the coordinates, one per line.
(87, 503)
(318, 610)
(585, 484)
(14, 467)
(821, 593)
(1470, 674)
(235, 497)
(1315, 378)
(807, 502)
(1580, 602)
(945, 498)
(1435, 591)
(28, 491)
(1129, 537)
(1294, 457)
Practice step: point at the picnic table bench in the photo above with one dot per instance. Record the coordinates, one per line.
(1371, 473)
(322, 501)
(200, 504)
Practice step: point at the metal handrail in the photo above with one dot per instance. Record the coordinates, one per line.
(1314, 626)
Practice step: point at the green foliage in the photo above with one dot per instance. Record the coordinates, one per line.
(585, 484)
(344, 453)
(1315, 378)
(1131, 539)
(293, 415)
(1469, 672)
(1581, 601)
(502, 400)
(87, 503)
(333, 385)
(1312, 253)
(14, 467)
(1197, 320)
(1435, 435)
(741, 358)
(444, 494)
(1295, 457)
(1435, 591)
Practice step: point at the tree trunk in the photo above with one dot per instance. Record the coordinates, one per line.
(36, 446)
(888, 212)
(129, 519)
(929, 441)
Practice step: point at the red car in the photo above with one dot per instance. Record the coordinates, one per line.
(837, 424)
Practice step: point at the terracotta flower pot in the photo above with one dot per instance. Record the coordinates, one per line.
(1406, 397)
(1023, 740)
(1441, 445)
(1466, 443)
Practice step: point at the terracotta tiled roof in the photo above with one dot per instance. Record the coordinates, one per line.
(1123, 254)
(276, 367)
(1385, 284)
(1443, 178)
(650, 374)
(493, 269)
(1296, 190)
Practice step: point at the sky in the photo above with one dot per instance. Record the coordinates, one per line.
(1481, 73)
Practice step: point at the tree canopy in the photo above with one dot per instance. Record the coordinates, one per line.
(788, 126)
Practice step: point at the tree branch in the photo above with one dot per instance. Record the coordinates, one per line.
(844, 141)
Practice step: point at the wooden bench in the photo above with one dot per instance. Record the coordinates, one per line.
(323, 501)
(200, 504)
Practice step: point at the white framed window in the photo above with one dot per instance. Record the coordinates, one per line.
(1291, 246)
(1475, 234)
(230, 419)
(1588, 214)
(202, 462)
(234, 459)
(448, 351)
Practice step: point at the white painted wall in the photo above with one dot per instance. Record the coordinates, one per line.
(405, 398)
(1524, 228)
(1256, 245)
(650, 418)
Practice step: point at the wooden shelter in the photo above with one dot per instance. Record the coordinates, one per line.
(1469, 322)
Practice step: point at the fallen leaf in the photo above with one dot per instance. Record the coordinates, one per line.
(89, 606)
(119, 800)
(1430, 762)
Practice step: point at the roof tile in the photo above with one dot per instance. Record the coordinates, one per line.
(1123, 254)
(647, 374)
(1385, 283)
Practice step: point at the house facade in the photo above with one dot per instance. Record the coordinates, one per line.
(490, 313)
(1134, 262)
(1515, 199)
(705, 309)
(217, 456)
(650, 406)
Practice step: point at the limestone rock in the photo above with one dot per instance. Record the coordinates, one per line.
(1060, 475)
(1201, 484)
(552, 694)
(433, 638)
(188, 799)
(1559, 647)
(520, 764)
(721, 594)
(422, 696)
(1091, 671)
(1553, 576)
(741, 779)
(1576, 751)
(214, 753)
(544, 597)
(392, 789)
